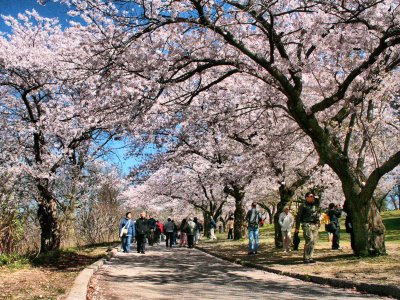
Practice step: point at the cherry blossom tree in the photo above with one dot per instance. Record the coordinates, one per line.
(332, 66)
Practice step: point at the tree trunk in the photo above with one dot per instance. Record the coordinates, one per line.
(239, 217)
(206, 227)
(368, 228)
(50, 238)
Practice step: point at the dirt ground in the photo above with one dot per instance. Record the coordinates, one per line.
(51, 280)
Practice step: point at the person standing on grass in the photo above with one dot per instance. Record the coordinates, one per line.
(230, 225)
(334, 213)
(169, 232)
(191, 230)
(142, 229)
(212, 229)
(126, 232)
(286, 222)
(326, 221)
(253, 218)
(309, 216)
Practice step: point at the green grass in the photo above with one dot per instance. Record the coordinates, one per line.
(13, 261)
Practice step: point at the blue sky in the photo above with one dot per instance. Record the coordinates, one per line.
(51, 10)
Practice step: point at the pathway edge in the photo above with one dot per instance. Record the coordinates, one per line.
(370, 288)
(81, 282)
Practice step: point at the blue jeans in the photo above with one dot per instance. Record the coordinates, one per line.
(253, 238)
(126, 243)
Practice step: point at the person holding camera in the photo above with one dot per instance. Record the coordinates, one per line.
(126, 232)
(309, 216)
(335, 212)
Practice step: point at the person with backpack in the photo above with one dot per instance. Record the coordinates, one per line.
(253, 218)
(190, 231)
(334, 213)
(126, 232)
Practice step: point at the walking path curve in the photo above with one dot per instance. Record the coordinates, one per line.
(176, 273)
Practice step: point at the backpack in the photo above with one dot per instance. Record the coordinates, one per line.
(199, 226)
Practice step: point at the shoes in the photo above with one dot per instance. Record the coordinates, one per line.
(251, 253)
(256, 252)
(142, 252)
(337, 248)
(138, 252)
(309, 261)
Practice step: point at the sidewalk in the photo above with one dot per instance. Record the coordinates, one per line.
(180, 272)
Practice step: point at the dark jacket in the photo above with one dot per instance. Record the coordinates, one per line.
(142, 226)
(130, 226)
(334, 215)
(308, 213)
(152, 223)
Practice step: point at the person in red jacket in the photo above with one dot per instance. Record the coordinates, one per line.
(158, 231)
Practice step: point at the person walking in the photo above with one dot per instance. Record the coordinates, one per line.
(230, 224)
(152, 228)
(142, 229)
(169, 232)
(183, 237)
(286, 222)
(309, 216)
(253, 218)
(199, 229)
(159, 231)
(212, 229)
(334, 213)
(191, 230)
(126, 232)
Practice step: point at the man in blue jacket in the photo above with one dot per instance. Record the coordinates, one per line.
(126, 232)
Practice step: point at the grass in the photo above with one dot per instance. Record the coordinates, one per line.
(334, 264)
(48, 276)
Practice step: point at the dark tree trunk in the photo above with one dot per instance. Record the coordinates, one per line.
(206, 227)
(239, 217)
(47, 213)
(50, 238)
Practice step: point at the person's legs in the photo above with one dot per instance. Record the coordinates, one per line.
(190, 240)
(256, 240)
(212, 236)
(128, 244)
(123, 243)
(308, 244)
(251, 240)
(143, 245)
(335, 240)
(167, 238)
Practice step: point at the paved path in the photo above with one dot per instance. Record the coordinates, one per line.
(191, 274)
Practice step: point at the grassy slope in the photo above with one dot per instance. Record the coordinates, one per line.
(335, 264)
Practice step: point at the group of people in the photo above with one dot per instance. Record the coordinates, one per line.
(149, 230)
(309, 217)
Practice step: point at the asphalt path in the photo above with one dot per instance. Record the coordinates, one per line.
(175, 273)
